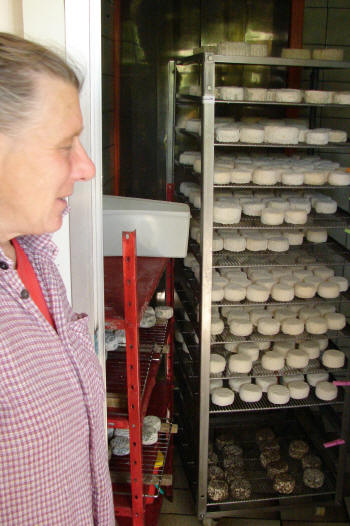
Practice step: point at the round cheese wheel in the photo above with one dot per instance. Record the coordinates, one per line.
(252, 134)
(250, 393)
(299, 390)
(316, 137)
(316, 236)
(304, 289)
(234, 243)
(278, 394)
(292, 326)
(235, 383)
(229, 92)
(217, 363)
(222, 396)
(281, 134)
(268, 326)
(316, 177)
(266, 282)
(241, 175)
(226, 213)
(255, 94)
(241, 328)
(256, 243)
(253, 207)
(265, 176)
(239, 363)
(311, 348)
(222, 174)
(341, 97)
(316, 325)
(272, 216)
(317, 97)
(283, 348)
(217, 292)
(337, 136)
(303, 54)
(282, 292)
(256, 315)
(328, 54)
(217, 326)
(333, 358)
(295, 216)
(297, 359)
(272, 361)
(324, 272)
(328, 289)
(326, 391)
(295, 237)
(278, 244)
(234, 292)
(257, 293)
(250, 349)
(227, 133)
(289, 95)
(336, 321)
(342, 282)
(265, 381)
(314, 378)
(292, 178)
(326, 207)
(339, 178)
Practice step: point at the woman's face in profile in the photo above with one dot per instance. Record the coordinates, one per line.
(40, 165)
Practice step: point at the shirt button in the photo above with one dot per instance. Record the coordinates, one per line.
(24, 294)
(3, 265)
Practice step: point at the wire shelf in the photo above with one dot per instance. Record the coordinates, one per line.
(264, 404)
(329, 253)
(338, 220)
(344, 297)
(253, 186)
(262, 487)
(116, 379)
(227, 337)
(340, 147)
(151, 457)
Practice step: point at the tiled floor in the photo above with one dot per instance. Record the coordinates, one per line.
(181, 511)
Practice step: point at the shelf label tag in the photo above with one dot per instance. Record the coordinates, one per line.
(337, 442)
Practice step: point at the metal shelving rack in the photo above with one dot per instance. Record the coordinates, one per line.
(133, 389)
(193, 366)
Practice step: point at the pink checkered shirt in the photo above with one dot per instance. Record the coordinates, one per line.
(53, 454)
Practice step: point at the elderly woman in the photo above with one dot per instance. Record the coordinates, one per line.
(53, 456)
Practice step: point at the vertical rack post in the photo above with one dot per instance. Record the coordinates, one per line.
(171, 122)
(208, 117)
(133, 375)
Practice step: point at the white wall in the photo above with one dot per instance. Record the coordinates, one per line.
(11, 16)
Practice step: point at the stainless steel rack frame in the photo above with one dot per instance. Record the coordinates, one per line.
(206, 411)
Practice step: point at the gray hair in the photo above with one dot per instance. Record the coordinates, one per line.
(21, 61)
